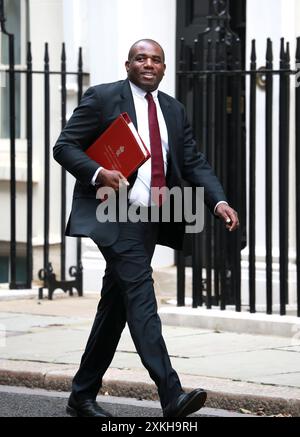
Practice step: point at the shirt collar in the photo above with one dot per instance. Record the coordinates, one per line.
(141, 93)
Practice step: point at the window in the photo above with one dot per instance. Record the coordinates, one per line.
(16, 12)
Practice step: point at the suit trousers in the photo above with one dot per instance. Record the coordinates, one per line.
(128, 296)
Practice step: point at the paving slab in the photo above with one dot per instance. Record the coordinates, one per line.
(30, 322)
(44, 346)
(42, 343)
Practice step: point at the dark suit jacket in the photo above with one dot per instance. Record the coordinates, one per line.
(101, 105)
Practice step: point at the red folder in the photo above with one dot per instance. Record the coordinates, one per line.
(120, 147)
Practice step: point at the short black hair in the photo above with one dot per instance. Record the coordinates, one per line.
(130, 54)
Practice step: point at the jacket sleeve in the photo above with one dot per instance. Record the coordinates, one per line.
(79, 133)
(198, 172)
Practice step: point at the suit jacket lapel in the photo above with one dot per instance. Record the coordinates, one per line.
(127, 104)
(170, 120)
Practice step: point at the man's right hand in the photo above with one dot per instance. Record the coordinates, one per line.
(110, 178)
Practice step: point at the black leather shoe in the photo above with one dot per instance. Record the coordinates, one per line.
(86, 408)
(186, 403)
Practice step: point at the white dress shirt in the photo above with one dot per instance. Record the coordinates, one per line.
(140, 192)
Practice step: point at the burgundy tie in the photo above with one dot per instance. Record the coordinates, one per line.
(158, 179)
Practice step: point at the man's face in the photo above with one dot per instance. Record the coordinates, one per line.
(146, 67)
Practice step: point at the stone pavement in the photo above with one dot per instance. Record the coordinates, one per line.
(41, 343)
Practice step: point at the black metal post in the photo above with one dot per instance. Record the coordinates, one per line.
(223, 171)
(214, 141)
(221, 163)
(180, 262)
(210, 142)
(269, 177)
(284, 142)
(63, 171)
(197, 272)
(29, 250)
(197, 288)
(237, 138)
(200, 126)
(78, 273)
(47, 268)
(252, 182)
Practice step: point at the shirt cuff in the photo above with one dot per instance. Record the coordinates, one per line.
(219, 203)
(93, 181)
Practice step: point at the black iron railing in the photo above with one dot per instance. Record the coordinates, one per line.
(211, 82)
(46, 273)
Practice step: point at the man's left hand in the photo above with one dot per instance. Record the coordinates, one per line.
(229, 216)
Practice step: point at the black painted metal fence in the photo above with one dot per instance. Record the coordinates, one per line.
(46, 273)
(212, 83)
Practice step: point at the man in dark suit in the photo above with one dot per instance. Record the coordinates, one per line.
(127, 293)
